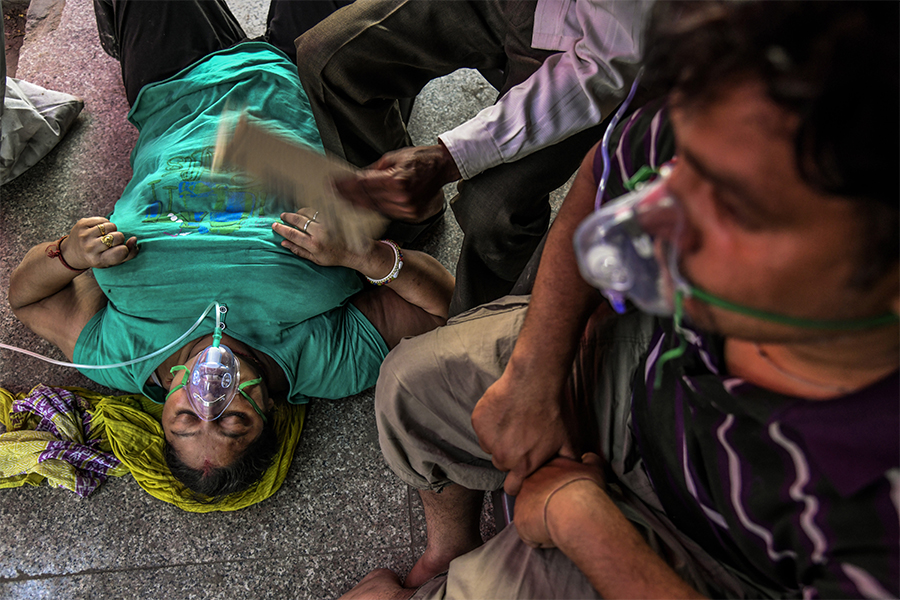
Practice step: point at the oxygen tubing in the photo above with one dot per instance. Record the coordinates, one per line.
(135, 360)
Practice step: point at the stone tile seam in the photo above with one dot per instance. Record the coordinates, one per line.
(23, 577)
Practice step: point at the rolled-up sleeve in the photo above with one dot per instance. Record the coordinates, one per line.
(599, 50)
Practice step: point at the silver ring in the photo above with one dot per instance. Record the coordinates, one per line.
(308, 221)
(315, 215)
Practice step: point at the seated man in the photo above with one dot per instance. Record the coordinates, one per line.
(563, 67)
(181, 239)
(746, 445)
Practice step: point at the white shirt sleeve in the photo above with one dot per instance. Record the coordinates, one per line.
(599, 48)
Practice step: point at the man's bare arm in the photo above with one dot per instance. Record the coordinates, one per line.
(520, 420)
(565, 505)
(57, 302)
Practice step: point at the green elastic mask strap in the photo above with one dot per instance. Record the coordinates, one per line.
(832, 325)
(678, 350)
(241, 387)
(249, 399)
(643, 174)
(174, 370)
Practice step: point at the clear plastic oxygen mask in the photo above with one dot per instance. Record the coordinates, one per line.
(627, 249)
(214, 381)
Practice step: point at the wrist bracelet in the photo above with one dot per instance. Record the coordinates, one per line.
(395, 270)
(55, 251)
(551, 494)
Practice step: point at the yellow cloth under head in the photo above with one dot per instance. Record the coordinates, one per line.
(132, 427)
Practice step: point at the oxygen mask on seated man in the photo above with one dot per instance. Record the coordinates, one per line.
(627, 248)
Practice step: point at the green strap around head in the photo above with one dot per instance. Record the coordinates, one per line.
(174, 370)
(678, 350)
(249, 399)
(828, 325)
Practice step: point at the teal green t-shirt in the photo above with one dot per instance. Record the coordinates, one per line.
(207, 239)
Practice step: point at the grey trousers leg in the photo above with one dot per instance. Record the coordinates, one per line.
(358, 62)
(427, 389)
(504, 567)
(504, 213)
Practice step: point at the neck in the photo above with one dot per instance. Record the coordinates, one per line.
(817, 369)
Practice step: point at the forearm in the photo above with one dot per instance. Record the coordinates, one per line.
(521, 419)
(422, 281)
(561, 301)
(607, 548)
(53, 301)
(38, 277)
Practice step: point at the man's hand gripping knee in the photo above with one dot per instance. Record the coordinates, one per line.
(523, 421)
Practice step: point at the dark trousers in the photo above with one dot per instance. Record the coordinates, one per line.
(155, 39)
(355, 65)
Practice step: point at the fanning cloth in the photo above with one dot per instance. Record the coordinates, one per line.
(66, 435)
(50, 435)
(296, 172)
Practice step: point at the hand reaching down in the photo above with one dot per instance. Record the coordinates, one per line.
(405, 184)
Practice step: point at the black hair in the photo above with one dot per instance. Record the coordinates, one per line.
(836, 65)
(240, 475)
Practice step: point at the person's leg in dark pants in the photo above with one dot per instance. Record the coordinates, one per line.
(289, 19)
(154, 40)
(504, 213)
(358, 62)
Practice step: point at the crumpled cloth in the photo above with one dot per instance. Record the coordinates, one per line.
(32, 122)
(130, 426)
(50, 435)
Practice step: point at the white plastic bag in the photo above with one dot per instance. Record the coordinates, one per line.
(33, 121)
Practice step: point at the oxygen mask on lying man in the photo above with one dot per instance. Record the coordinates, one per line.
(214, 381)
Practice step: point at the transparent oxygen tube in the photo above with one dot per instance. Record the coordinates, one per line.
(220, 309)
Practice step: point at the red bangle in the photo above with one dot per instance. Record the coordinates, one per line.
(54, 251)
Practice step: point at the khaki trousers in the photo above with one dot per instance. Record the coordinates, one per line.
(424, 399)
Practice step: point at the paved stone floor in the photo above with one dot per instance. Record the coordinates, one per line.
(339, 514)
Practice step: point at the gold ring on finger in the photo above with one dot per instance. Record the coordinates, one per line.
(107, 240)
(102, 229)
(315, 215)
(306, 225)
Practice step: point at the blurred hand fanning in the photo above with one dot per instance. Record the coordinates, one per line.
(404, 184)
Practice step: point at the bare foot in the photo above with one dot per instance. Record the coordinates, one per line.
(380, 584)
